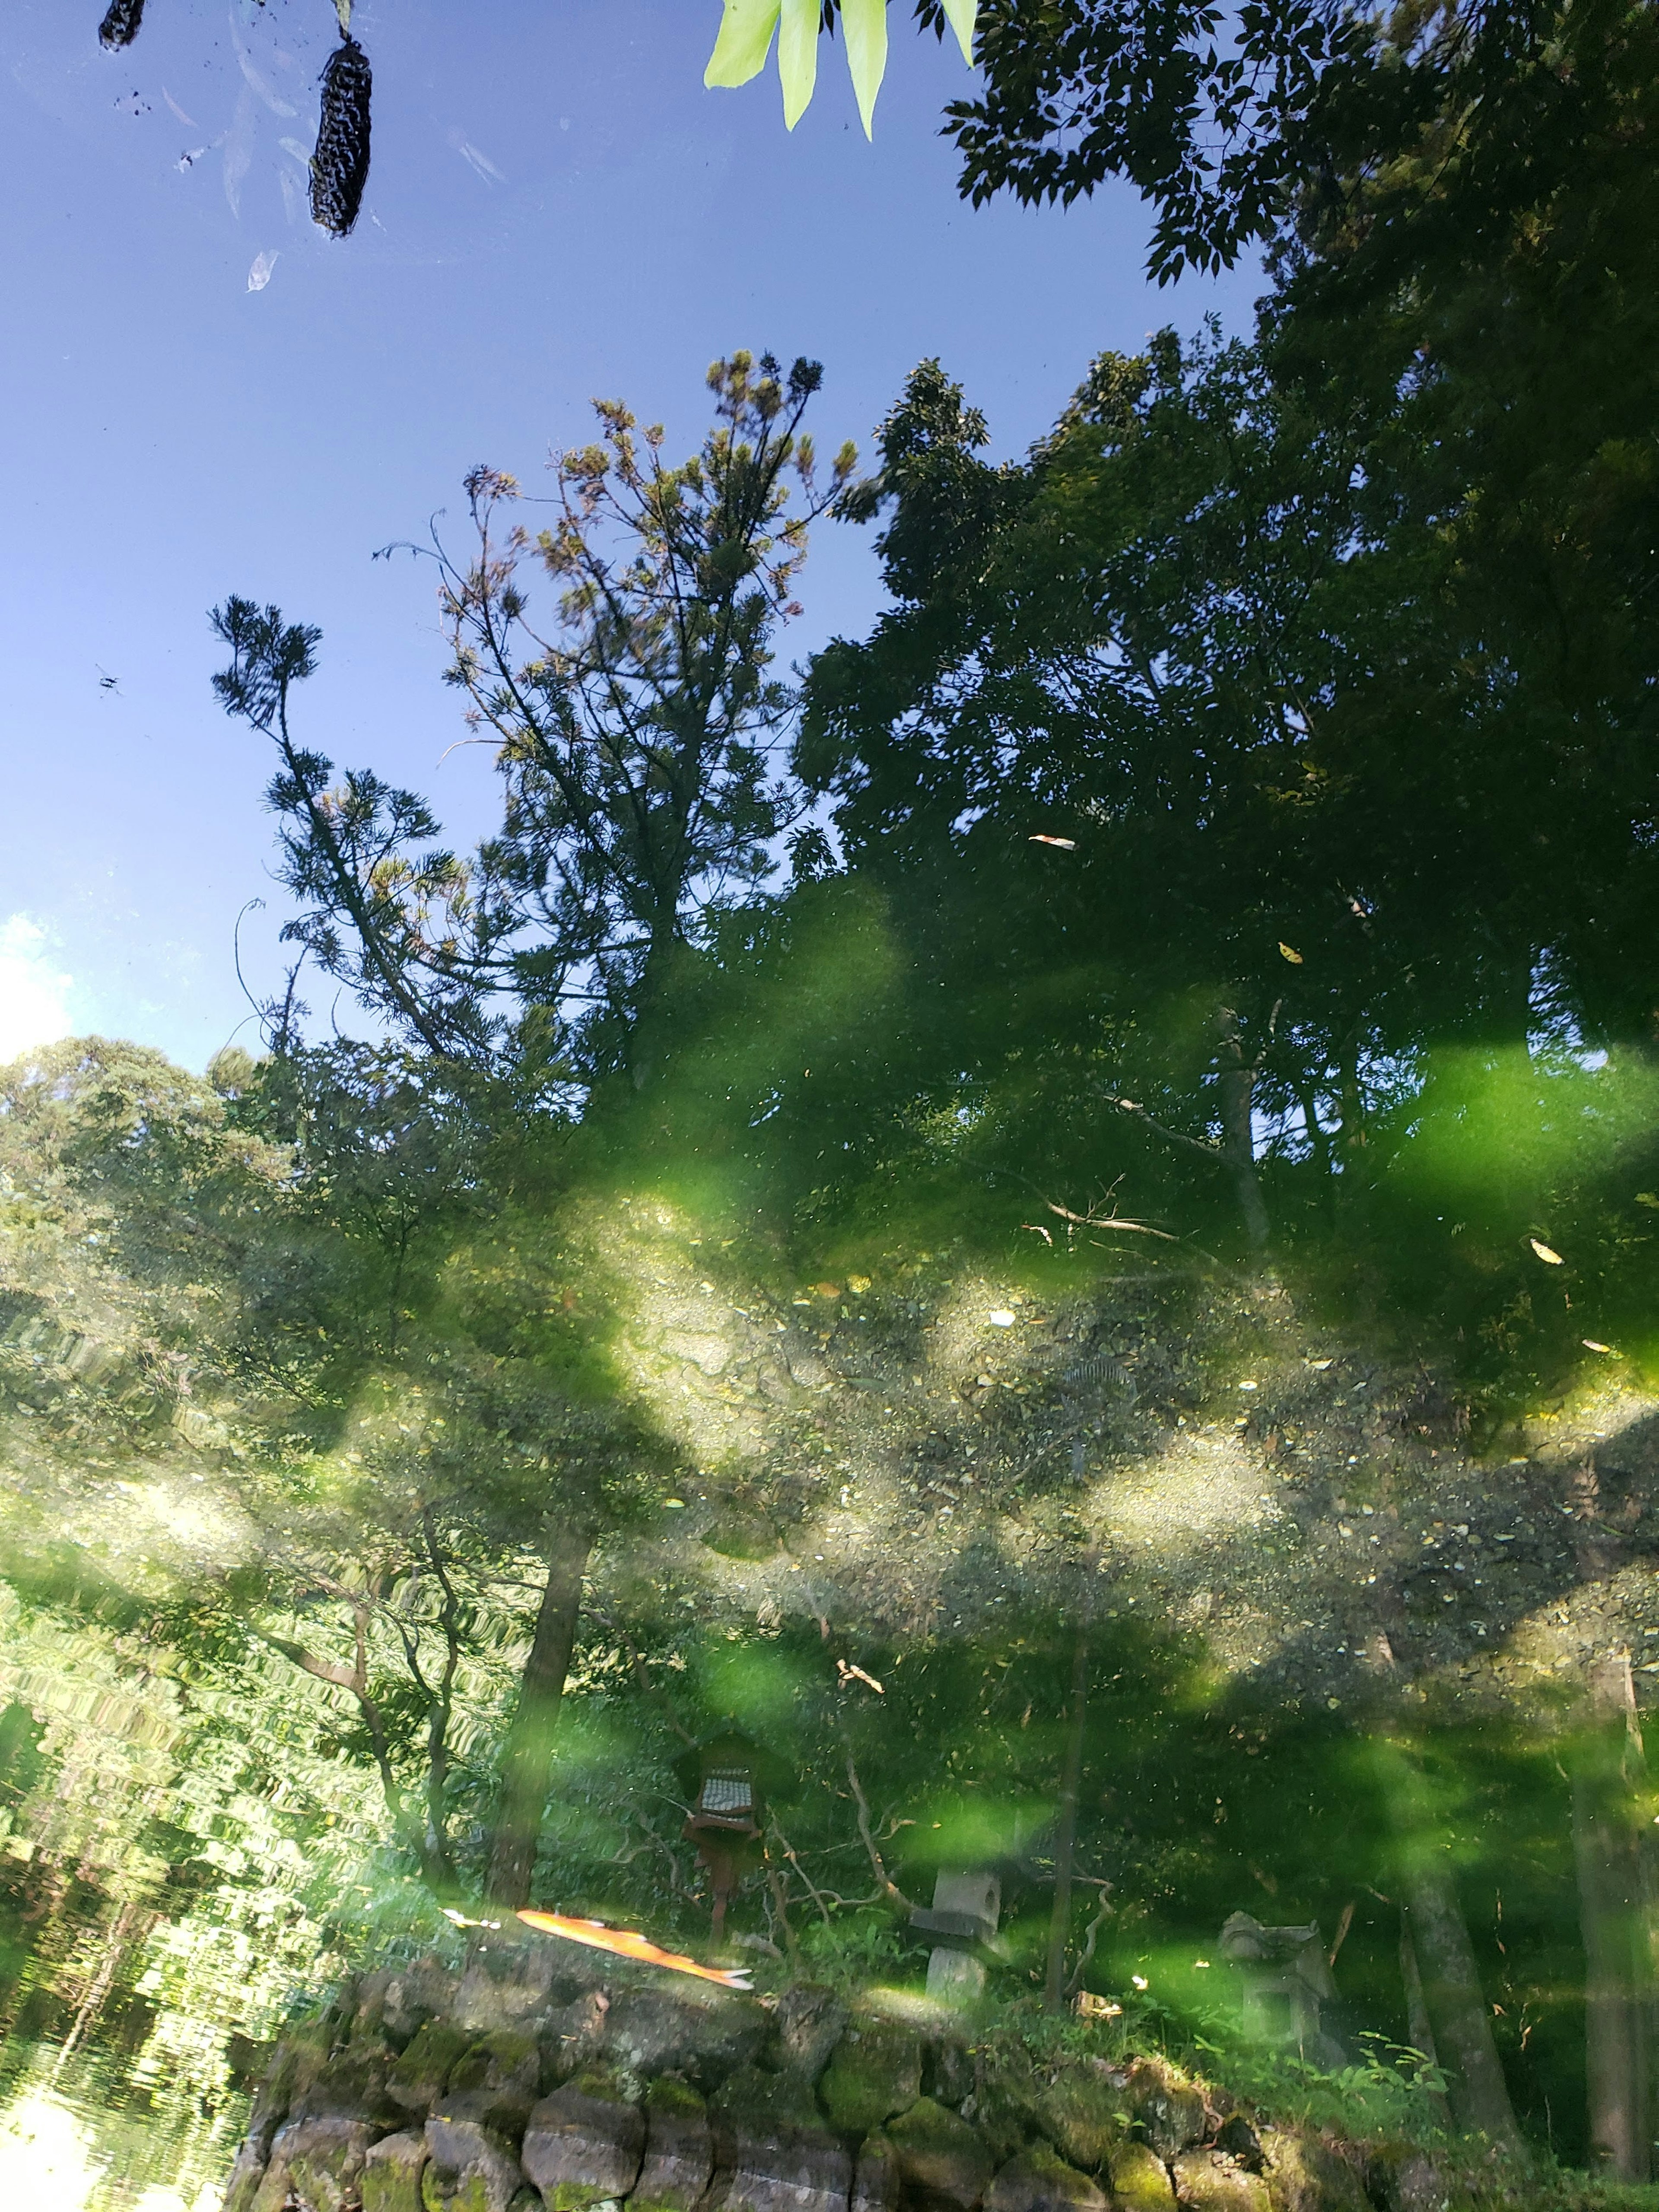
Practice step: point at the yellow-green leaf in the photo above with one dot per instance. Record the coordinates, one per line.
(1549, 1258)
(746, 34)
(963, 14)
(865, 24)
(797, 57)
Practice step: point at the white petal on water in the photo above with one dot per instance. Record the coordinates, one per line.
(259, 274)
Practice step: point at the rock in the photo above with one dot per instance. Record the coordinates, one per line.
(584, 2143)
(1413, 2183)
(949, 2075)
(679, 2149)
(246, 2174)
(507, 1983)
(468, 2169)
(413, 1995)
(1168, 2107)
(352, 2083)
(1210, 2181)
(1305, 2174)
(1240, 2140)
(1141, 2182)
(939, 2153)
(299, 2058)
(421, 2075)
(808, 2022)
(1038, 2181)
(496, 2080)
(875, 2176)
(392, 2172)
(571, 2036)
(772, 2150)
(701, 2030)
(316, 2162)
(1082, 2112)
(876, 2072)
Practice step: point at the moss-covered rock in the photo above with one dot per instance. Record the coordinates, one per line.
(1037, 2180)
(1082, 2112)
(1141, 2180)
(1210, 2181)
(808, 2024)
(679, 2152)
(940, 2154)
(422, 2074)
(1167, 2105)
(876, 2177)
(876, 2071)
(496, 2080)
(392, 2172)
(469, 2169)
(316, 2163)
(772, 2152)
(1304, 2173)
(585, 2142)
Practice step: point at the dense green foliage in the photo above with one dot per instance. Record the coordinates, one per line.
(835, 1155)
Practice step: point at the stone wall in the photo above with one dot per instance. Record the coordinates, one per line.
(532, 2082)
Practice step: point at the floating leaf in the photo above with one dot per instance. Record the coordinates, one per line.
(1065, 844)
(740, 50)
(342, 9)
(864, 22)
(797, 57)
(1290, 953)
(1591, 1345)
(962, 15)
(1549, 1258)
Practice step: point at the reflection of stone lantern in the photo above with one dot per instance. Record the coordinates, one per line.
(963, 1925)
(1286, 1979)
(726, 1780)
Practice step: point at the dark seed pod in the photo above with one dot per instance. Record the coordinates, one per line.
(120, 24)
(339, 167)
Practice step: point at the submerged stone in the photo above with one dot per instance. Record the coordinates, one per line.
(1304, 2175)
(875, 2176)
(1169, 2108)
(772, 2150)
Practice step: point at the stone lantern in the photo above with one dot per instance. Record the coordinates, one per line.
(725, 1778)
(961, 1923)
(1286, 1981)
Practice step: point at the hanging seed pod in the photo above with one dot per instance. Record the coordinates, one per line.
(120, 24)
(339, 167)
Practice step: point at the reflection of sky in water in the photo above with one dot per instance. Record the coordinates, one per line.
(208, 395)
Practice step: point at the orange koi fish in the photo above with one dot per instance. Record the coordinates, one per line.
(629, 1944)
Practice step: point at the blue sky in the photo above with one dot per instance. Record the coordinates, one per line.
(557, 209)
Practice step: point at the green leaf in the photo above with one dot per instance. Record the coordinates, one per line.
(740, 50)
(864, 22)
(961, 15)
(797, 57)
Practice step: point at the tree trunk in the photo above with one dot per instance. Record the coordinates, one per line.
(527, 1755)
(1238, 1127)
(1054, 1994)
(1612, 1907)
(1455, 2009)
(1420, 2030)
